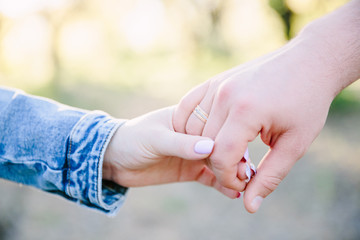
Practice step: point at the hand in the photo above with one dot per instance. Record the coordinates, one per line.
(285, 97)
(147, 151)
(280, 97)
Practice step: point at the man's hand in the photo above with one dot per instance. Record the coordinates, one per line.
(284, 96)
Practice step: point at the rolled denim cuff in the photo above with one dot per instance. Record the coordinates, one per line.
(86, 148)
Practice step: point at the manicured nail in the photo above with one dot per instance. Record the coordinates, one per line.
(246, 155)
(248, 172)
(255, 204)
(238, 195)
(204, 146)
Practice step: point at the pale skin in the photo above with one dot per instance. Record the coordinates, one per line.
(147, 151)
(284, 96)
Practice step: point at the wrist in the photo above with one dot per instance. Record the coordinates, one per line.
(113, 162)
(311, 60)
(304, 67)
(322, 67)
(110, 157)
(107, 168)
(334, 40)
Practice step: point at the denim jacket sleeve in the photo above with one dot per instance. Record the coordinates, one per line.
(58, 149)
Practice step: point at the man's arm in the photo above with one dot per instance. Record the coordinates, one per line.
(285, 97)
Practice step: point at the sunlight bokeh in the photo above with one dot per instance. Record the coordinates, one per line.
(21, 8)
(131, 57)
(171, 45)
(143, 24)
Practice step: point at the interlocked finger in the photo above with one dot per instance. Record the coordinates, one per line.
(199, 116)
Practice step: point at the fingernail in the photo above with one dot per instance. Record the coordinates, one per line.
(248, 172)
(246, 155)
(204, 146)
(256, 202)
(239, 195)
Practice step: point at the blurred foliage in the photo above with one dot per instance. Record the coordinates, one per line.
(116, 55)
(285, 12)
(346, 102)
(158, 47)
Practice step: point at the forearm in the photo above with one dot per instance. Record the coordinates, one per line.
(334, 40)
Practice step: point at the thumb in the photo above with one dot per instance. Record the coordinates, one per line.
(185, 146)
(272, 169)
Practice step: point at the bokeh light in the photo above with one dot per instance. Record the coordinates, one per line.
(130, 57)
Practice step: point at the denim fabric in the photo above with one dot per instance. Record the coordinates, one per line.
(57, 148)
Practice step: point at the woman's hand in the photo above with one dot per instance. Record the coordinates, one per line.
(147, 151)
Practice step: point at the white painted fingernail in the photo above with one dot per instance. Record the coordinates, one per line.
(248, 160)
(204, 146)
(248, 172)
(246, 155)
(256, 202)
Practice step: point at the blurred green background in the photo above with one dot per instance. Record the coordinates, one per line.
(131, 57)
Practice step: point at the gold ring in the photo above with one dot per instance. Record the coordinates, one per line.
(200, 114)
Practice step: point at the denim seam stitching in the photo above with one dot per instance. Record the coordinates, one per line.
(99, 159)
(77, 125)
(111, 131)
(69, 166)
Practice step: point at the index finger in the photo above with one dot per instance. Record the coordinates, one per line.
(230, 146)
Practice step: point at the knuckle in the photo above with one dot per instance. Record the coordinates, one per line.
(243, 186)
(232, 183)
(242, 105)
(217, 163)
(226, 183)
(270, 183)
(185, 103)
(230, 146)
(225, 93)
(222, 176)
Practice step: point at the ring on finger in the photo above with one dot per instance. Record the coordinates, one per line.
(200, 114)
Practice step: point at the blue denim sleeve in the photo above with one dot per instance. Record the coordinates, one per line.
(58, 149)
